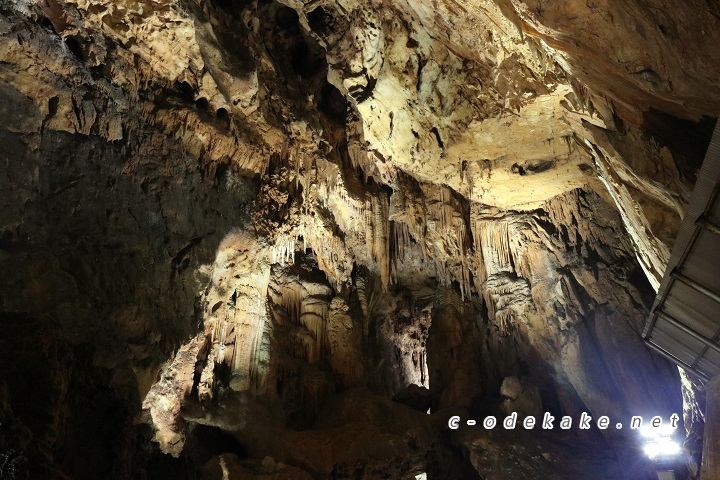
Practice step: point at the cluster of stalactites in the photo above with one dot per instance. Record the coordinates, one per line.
(493, 237)
(329, 249)
(540, 54)
(222, 336)
(428, 215)
(283, 251)
(401, 239)
(500, 248)
(431, 216)
(323, 186)
(236, 330)
(309, 311)
(448, 223)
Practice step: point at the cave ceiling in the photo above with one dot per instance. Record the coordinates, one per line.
(229, 204)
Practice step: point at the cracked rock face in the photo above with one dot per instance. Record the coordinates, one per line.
(261, 239)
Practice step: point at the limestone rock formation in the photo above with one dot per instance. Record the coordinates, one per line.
(290, 239)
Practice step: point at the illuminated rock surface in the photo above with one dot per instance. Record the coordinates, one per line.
(232, 232)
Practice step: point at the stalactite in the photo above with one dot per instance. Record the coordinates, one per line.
(377, 228)
(284, 250)
(233, 357)
(307, 165)
(490, 304)
(313, 315)
(495, 242)
(443, 273)
(465, 282)
(505, 320)
(401, 238)
(253, 372)
(291, 300)
(296, 162)
(359, 281)
(221, 343)
(580, 91)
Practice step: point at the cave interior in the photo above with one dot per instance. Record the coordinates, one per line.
(293, 239)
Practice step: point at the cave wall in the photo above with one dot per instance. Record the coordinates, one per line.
(242, 228)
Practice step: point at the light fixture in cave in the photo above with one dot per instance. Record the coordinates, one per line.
(660, 431)
(660, 444)
(662, 448)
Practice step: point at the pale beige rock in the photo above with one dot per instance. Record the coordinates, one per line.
(258, 210)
